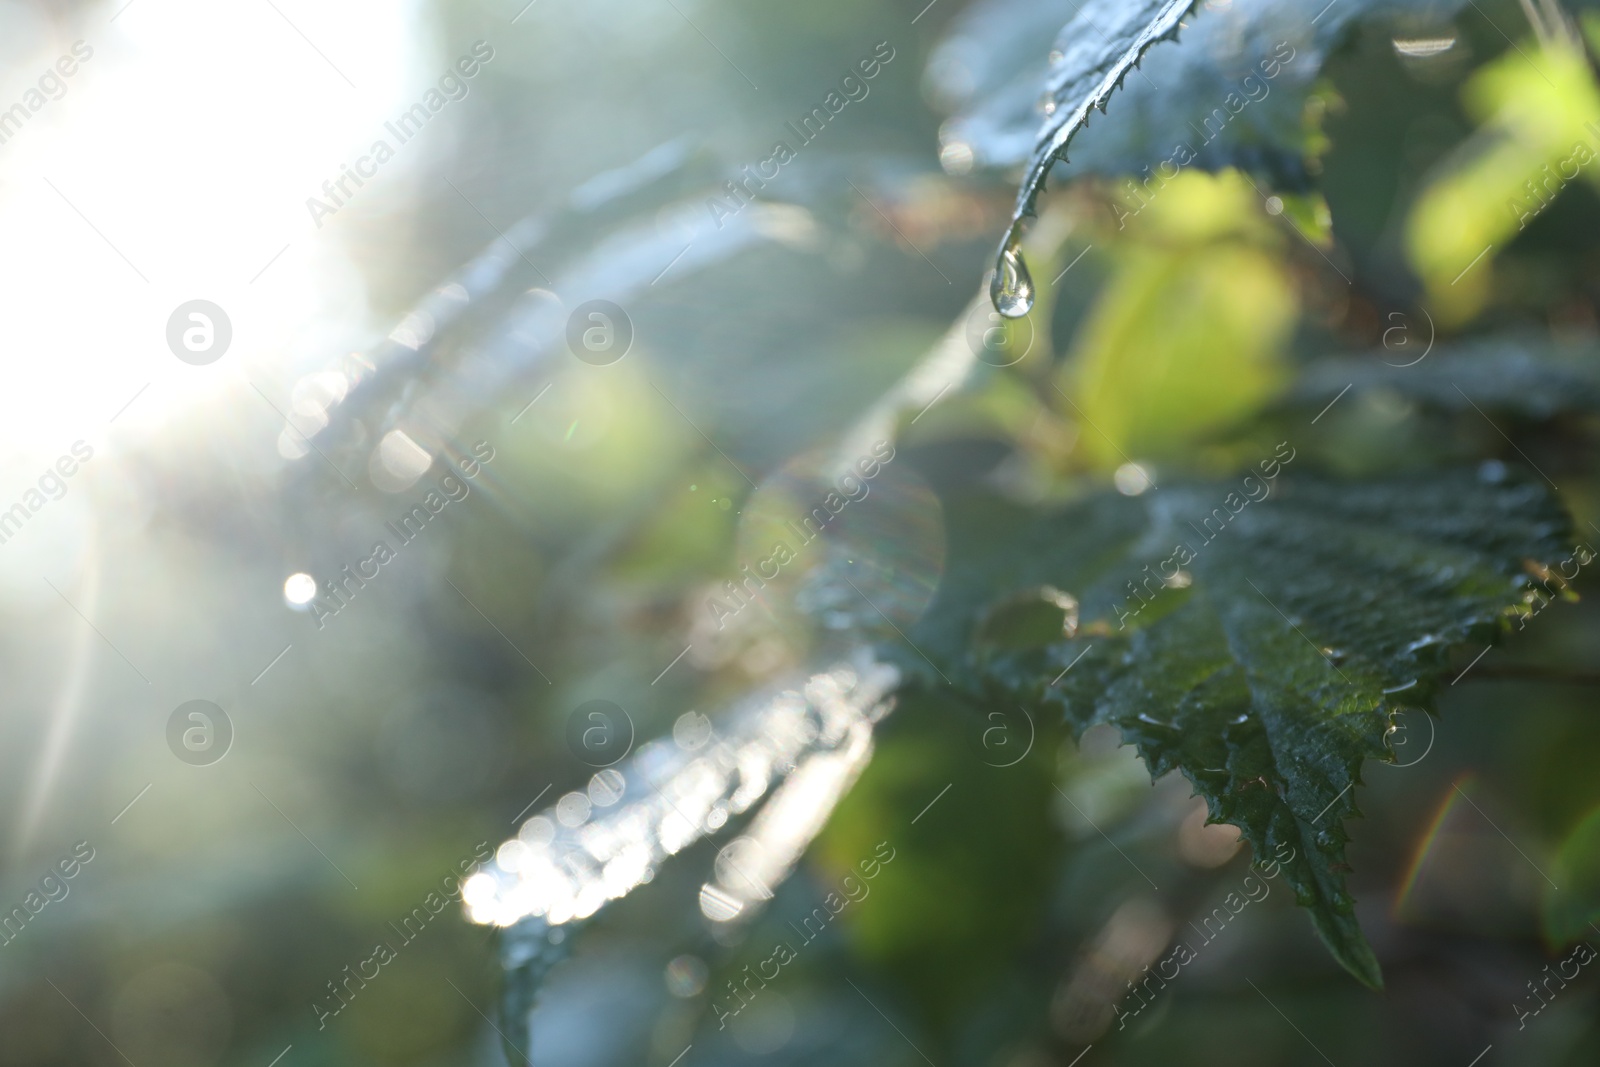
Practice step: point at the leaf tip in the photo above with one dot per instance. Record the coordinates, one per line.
(1357, 957)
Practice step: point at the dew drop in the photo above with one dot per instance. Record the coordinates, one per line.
(1011, 288)
(573, 809)
(1423, 47)
(299, 589)
(1425, 641)
(606, 788)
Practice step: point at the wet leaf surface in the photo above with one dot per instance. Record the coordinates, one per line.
(1294, 619)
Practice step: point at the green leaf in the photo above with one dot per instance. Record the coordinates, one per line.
(1213, 104)
(492, 328)
(989, 71)
(1268, 669)
(1232, 91)
(1098, 47)
(1571, 912)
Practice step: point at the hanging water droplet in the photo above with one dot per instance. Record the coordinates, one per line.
(1011, 288)
(1047, 104)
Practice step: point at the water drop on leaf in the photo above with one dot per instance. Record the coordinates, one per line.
(1011, 288)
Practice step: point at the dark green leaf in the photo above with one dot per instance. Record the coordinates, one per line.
(989, 72)
(494, 324)
(1095, 52)
(1531, 377)
(1268, 669)
(1570, 913)
(1231, 95)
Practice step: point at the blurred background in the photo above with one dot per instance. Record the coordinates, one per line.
(191, 507)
